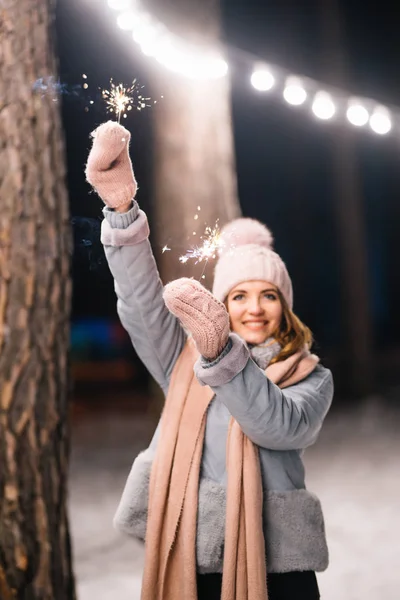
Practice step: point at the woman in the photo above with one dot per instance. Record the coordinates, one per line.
(219, 495)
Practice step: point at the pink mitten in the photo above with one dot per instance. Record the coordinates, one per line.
(205, 317)
(109, 167)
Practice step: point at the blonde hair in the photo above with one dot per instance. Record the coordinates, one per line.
(292, 334)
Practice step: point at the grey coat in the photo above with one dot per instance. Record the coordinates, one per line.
(281, 422)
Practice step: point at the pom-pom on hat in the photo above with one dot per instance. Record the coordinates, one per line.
(246, 254)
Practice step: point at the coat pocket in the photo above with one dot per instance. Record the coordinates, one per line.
(210, 527)
(131, 515)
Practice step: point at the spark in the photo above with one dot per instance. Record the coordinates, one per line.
(211, 242)
(166, 249)
(120, 99)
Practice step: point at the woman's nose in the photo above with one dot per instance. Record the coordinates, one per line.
(255, 308)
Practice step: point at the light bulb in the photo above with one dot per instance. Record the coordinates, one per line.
(262, 79)
(294, 93)
(127, 20)
(380, 121)
(323, 106)
(357, 114)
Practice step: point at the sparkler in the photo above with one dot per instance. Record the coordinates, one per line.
(120, 99)
(211, 242)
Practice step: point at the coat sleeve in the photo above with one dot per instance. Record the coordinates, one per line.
(273, 418)
(156, 334)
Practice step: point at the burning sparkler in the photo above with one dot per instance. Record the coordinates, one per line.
(211, 242)
(120, 99)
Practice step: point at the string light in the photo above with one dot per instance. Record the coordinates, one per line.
(149, 37)
(357, 114)
(380, 121)
(155, 40)
(187, 60)
(262, 79)
(323, 106)
(294, 92)
(119, 4)
(127, 20)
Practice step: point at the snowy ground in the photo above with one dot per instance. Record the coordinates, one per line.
(354, 468)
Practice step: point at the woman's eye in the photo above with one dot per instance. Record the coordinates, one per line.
(238, 297)
(270, 296)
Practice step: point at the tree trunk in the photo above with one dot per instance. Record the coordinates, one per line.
(194, 162)
(350, 220)
(35, 556)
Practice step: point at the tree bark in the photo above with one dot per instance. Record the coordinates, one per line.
(35, 556)
(350, 219)
(194, 163)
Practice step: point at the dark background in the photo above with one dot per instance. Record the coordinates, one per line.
(284, 160)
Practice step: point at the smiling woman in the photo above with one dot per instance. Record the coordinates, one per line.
(222, 482)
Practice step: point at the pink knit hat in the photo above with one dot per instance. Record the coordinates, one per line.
(246, 254)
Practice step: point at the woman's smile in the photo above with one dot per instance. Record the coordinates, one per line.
(255, 310)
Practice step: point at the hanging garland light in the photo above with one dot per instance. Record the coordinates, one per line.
(156, 41)
(169, 50)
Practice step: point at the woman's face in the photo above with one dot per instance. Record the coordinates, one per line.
(255, 310)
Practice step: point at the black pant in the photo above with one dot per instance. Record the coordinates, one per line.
(296, 585)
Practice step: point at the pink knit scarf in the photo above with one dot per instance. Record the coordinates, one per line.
(170, 557)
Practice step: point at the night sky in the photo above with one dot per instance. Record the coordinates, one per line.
(283, 156)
